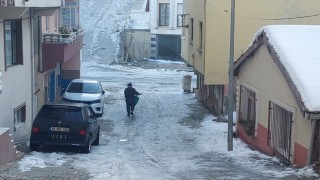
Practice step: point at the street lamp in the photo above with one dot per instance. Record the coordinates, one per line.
(231, 80)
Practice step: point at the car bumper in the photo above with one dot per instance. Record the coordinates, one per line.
(96, 107)
(63, 140)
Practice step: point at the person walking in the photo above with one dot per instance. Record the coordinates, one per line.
(130, 94)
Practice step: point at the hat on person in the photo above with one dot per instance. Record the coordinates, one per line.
(129, 85)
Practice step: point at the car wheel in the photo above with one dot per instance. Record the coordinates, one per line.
(34, 146)
(87, 148)
(96, 141)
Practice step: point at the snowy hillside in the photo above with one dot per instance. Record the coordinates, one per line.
(102, 21)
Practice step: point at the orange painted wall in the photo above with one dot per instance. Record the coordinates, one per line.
(300, 155)
(260, 142)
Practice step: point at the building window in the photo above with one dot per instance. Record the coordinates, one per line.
(164, 13)
(19, 115)
(13, 42)
(191, 30)
(200, 37)
(179, 8)
(280, 123)
(247, 113)
(70, 15)
(47, 24)
(180, 16)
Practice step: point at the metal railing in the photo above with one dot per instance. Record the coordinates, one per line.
(57, 38)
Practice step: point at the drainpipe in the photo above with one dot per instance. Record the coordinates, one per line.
(32, 64)
(310, 152)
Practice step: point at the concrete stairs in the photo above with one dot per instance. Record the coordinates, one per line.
(8, 150)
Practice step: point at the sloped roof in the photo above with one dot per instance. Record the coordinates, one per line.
(296, 51)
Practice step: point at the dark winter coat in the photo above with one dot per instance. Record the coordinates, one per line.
(129, 94)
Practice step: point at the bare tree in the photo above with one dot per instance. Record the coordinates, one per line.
(126, 41)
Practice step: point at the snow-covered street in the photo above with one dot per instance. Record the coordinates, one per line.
(171, 136)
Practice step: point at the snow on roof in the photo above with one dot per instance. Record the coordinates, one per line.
(298, 48)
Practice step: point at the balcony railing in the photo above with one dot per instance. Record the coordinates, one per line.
(60, 48)
(63, 38)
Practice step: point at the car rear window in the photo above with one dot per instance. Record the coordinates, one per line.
(63, 113)
(78, 87)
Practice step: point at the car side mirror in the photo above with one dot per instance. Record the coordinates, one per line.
(103, 92)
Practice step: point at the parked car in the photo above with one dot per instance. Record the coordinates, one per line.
(72, 124)
(86, 91)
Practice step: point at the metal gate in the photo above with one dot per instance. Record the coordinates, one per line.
(280, 126)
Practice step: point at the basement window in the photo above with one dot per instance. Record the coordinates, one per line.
(19, 116)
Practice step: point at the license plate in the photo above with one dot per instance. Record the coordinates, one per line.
(59, 129)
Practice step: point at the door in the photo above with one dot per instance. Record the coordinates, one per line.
(316, 144)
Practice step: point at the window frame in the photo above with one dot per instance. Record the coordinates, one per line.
(200, 36)
(191, 30)
(20, 116)
(69, 15)
(166, 14)
(251, 112)
(16, 46)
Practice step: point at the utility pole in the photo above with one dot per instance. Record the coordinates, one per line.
(231, 80)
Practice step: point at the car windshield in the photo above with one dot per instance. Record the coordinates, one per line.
(64, 113)
(79, 87)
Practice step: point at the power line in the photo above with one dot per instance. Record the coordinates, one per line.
(284, 18)
(264, 19)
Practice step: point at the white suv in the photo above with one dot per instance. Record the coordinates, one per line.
(86, 91)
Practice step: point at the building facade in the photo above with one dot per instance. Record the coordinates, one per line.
(206, 38)
(18, 29)
(62, 42)
(277, 100)
(165, 34)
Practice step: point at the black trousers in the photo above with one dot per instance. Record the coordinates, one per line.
(130, 105)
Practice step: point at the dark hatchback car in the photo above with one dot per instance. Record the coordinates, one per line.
(67, 124)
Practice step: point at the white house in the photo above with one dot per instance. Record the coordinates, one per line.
(18, 31)
(165, 34)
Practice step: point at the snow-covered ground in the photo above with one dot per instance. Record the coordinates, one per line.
(171, 136)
